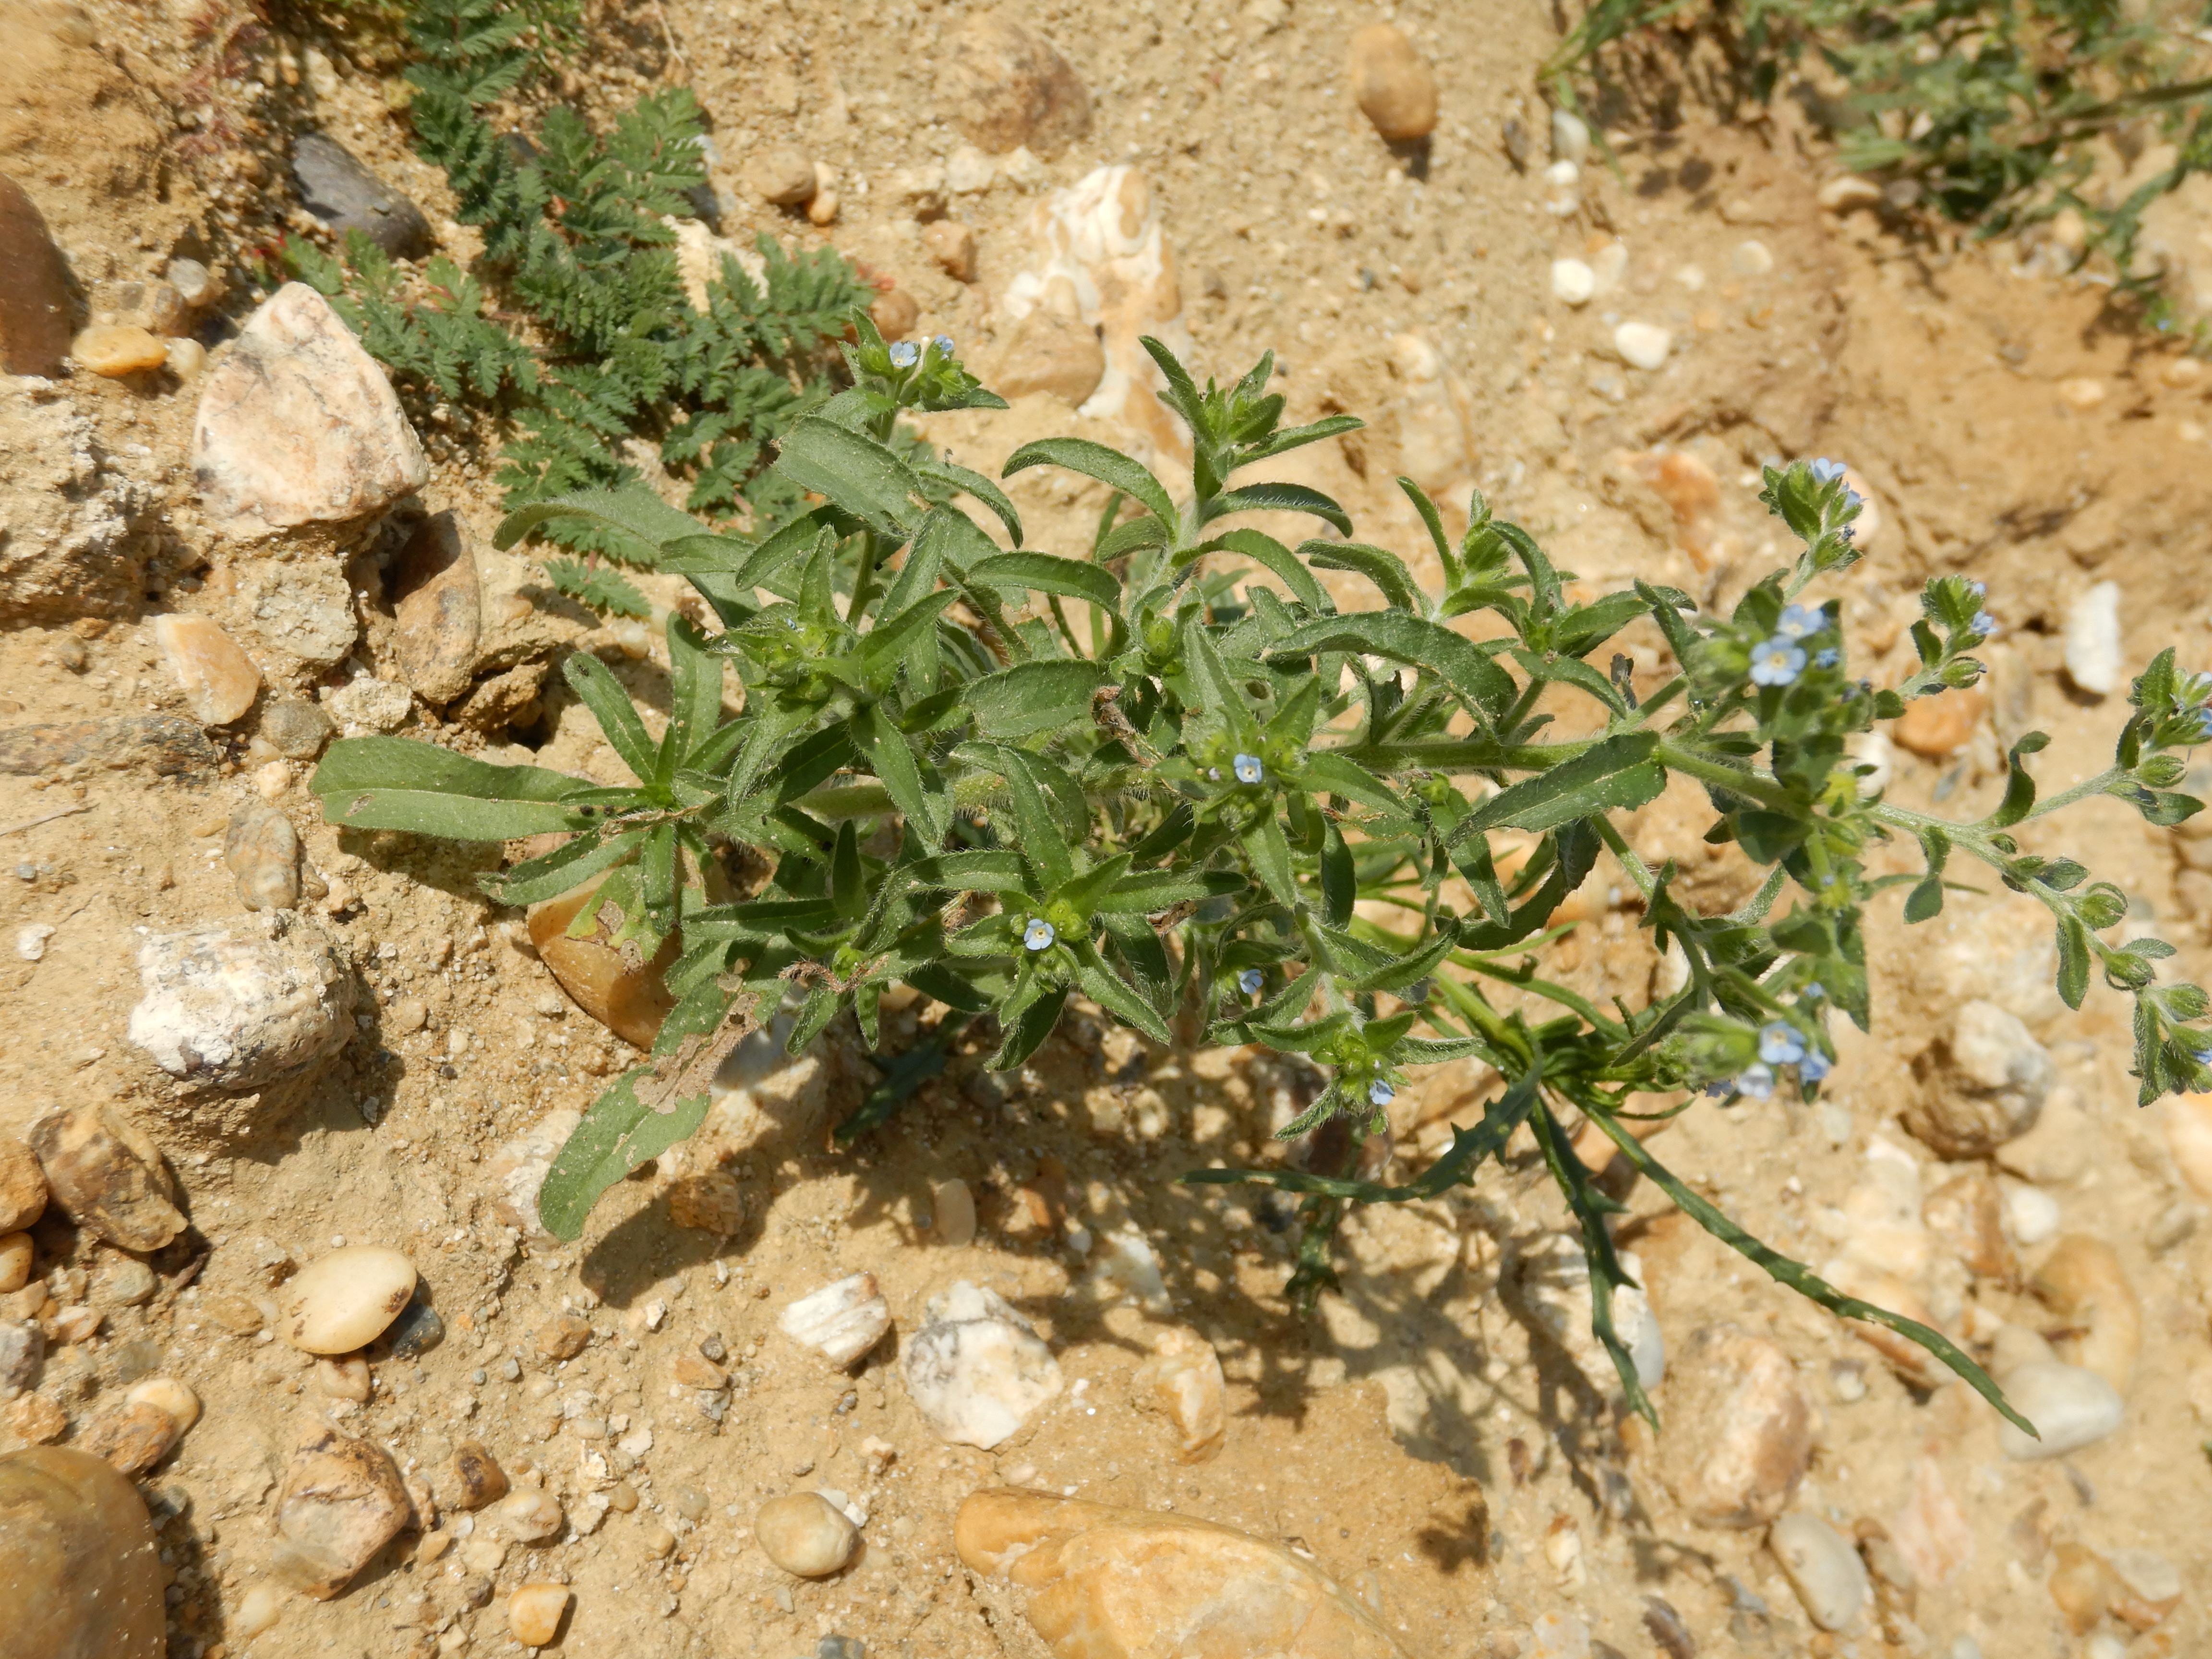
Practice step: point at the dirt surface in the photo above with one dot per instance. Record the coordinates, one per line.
(1427, 1438)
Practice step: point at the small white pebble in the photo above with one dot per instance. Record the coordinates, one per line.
(2093, 640)
(2031, 1215)
(30, 939)
(1562, 175)
(1751, 258)
(1573, 283)
(1643, 345)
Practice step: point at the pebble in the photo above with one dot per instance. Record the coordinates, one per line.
(563, 1337)
(952, 245)
(219, 681)
(1573, 283)
(343, 1301)
(696, 1371)
(31, 940)
(1939, 727)
(952, 1213)
(474, 1478)
(805, 1534)
(127, 1282)
(1822, 1567)
(2188, 1137)
(1570, 136)
(1012, 89)
(2151, 1585)
(185, 357)
(2069, 1406)
(80, 1571)
(1643, 345)
(2081, 394)
(1739, 1429)
(1558, 1636)
(155, 307)
(263, 851)
(258, 1610)
(534, 1613)
(35, 306)
(341, 1502)
(1751, 257)
(841, 1321)
(1107, 1580)
(2083, 1280)
(2083, 1584)
(22, 1349)
(1393, 84)
(347, 197)
(35, 1420)
(195, 285)
(530, 1514)
(116, 350)
(16, 1255)
(132, 1438)
(366, 704)
(22, 1186)
(438, 611)
(296, 729)
(168, 1395)
(236, 1008)
(1991, 1089)
(1183, 1381)
(784, 176)
(2093, 640)
(1843, 194)
(1967, 1215)
(976, 1369)
(895, 313)
(629, 1002)
(108, 1177)
(298, 425)
(969, 172)
(1054, 354)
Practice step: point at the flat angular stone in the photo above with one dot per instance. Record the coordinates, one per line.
(161, 744)
(34, 289)
(298, 425)
(439, 611)
(219, 681)
(346, 195)
(976, 1369)
(23, 1187)
(80, 1575)
(1739, 1429)
(115, 349)
(262, 852)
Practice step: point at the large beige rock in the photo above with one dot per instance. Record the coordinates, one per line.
(1115, 1584)
(298, 425)
(1739, 1433)
(439, 610)
(35, 306)
(219, 681)
(1392, 83)
(80, 1577)
(342, 1502)
(72, 523)
(1011, 88)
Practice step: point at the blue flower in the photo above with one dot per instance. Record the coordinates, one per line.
(1776, 661)
(1985, 624)
(1815, 991)
(1757, 1081)
(1250, 980)
(943, 344)
(1039, 933)
(1248, 769)
(905, 355)
(1813, 1067)
(1382, 1093)
(1827, 657)
(1979, 590)
(1780, 1043)
(1799, 620)
(1720, 1089)
(2203, 725)
(1826, 472)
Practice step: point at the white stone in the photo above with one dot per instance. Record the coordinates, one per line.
(233, 1008)
(1751, 257)
(343, 1301)
(30, 939)
(1843, 194)
(1573, 283)
(258, 1610)
(841, 1321)
(2093, 640)
(1821, 1566)
(173, 1399)
(1558, 1636)
(976, 1369)
(1552, 1276)
(517, 1170)
(1125, 1267)
(365, 705)
(1643, 345)
(968, 171)
(1570, 136)
(805, 1534)
(1562, 175)
(2070, 1408)
(2030, 1214)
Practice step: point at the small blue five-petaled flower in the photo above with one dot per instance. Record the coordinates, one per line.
(943, 344)
(1780, 1043)
(1985, 624)
(1776, 661)
(1799, 620)
(1757, 1081)
(1813, 1067)
(1248, 769)
(905, 355)
(1250, 980)
(1827, 657)
(1815, 991)
(1382, 1093)
(1039, 933)
(1828, 471)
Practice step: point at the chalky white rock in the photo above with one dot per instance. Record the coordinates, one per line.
(1573, 282)
(842, 1321)
(977, 1370)
(2093, 640)
(1643, 345)
(1821, 1566)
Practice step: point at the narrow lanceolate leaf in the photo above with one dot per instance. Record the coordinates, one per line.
(695, 700)
(855, 473)
(1618, 773)
(1487, 690)
(603, 694)
(1271, 554)
(1154, 890)
(1106, 988)
(397, 783)
(1278, 498)
(1034, 696)
(567, 866)
(1048, 573)
(975, 484)
(889, 756)
(1333, 773)
(990, 871)
(1269, 850)
(1379, 565)
(618, 1133)
(1108, 467)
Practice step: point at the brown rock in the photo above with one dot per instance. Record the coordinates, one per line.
(80, 1575)
(1113, 1583)
(439, 611)
(506, 698)
(895, 313)
(1012, 89)
(1739, 1429)
(1394, 87)
(23, 1187)
(115, 349)
(108, 1176)
(298, 425)
(784, 176)
(294, 728)
(1939, 727)
(22, 1347)
(34, 289)
(35, 1420)
(155, 307)
(952, 245)
(163, 744)
(219, 681)
(1052, 353)
(341, 1502)
(262, 852)
(1690, 492)
(1982, 1086)
(17, 1252)
(2084, 1585)
(132, 1438)
(695, 1371)
(805, 1534)
(630, 1000)
(344, 1377)
(565, 1338)
(476, 1477)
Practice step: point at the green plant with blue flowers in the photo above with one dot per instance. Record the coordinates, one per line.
(1169, 774)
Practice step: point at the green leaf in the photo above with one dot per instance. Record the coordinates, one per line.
(856, 473)
(2074, 953)
(694, 693)
(633, 514)
(1339, 883)
(1323, 770)
(1269, 850)
(1925, 901)
(1034, 696)
(975, 484)
(1487, 690)
(1109, 467)
(618, 1133)
(985, 871)
(1037, 829)
(1104, 987)
(1027, 1020)
(397, 783)
(1271, 554)
(890, 756)
(1384, 569)
(1152, 891)
(603, 588)
(1048, 573)
(570, 865)
(1278, 498)
(1616, 774)
(602, 693)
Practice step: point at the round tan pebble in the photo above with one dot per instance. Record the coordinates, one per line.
(341, 1301)
(108, 1177)
(565, 1338)
(167, 1393)
(822, 211)
(258, 1611)
(659, 1542)
(1013, 89)
(22, 1186)
(805, 1534)
(530, 1514)
(114, 351)
(785, 177)
(534, 1613)
(186, 357)
(16, 1255)
(343, 1378)
(952, 1213)
(1394, 87)
(233, 1312)
(622, 1497)
(895, 313)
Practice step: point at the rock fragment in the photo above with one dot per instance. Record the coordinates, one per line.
(1393, 84)
(784, 176)
(1739, 1429)
(2082, 1281)
(1941, 726)
(1643, 345)
(1183, 1381)
(16, 1255)
(81, 1575)
(439, 609)
(805, 1534)
(161, 745)
(1109, 1581)
(22, 1349)
(233, 1008)
(564, 1337)
(1573, 283)
(629, 999)
(168, 1395)
(219, 681)
(343, 1301)
(341, 1502)
(132, 1438)
(530, 1514)
(263, 851)
(1822, 1567)
(2188, 1137)
(347, 197)
(35, 306)
(298, 425)
(952, 1213)
(534, 1613)
(476, 1478)
(2093, 659)
(1984, 1086)
(1052, 353)
(841, 1321)
(113, 351)
(977, 1370)
(952, 245)
(1012, 90)
(22, 1187)
(76, 543)
(108, 1177)
(2069, 1406)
